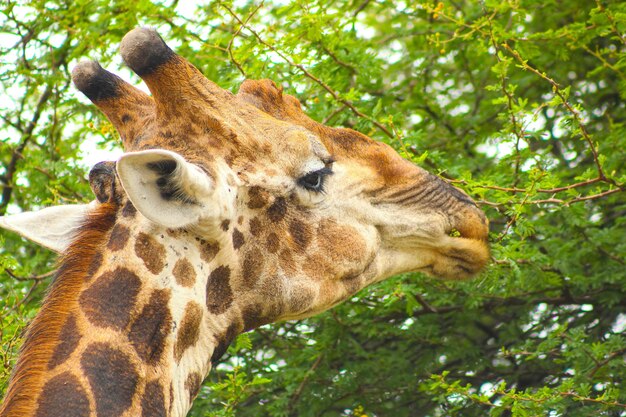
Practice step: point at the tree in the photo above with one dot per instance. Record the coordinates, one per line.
(519, 102)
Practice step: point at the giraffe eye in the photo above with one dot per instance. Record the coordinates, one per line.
(314, 181)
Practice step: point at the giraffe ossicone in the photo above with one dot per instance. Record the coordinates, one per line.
(226, 212)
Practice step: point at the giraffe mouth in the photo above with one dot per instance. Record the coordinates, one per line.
(459, 258)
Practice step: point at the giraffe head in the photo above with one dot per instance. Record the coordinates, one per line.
(278, 216)
(310, 214)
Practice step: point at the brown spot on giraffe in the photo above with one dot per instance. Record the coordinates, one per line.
(272, 243)
(252, 267)
(276, 212)
(253, 317)
(223, 341)
(184, 273)
(208, 250)
(108, 302)
(257, 197)
(238, 239)
(287, 262)
(119, 237)
(150, 329)
(151, 252)
(189, 329)
(153, 400)
(112, 378)
(129, 210)
(225, 225)
(63, 396)
(69, 338)
(255, 227)
(219, 295)
(94, 266)
(340, 242)
(193, 384)
(300, 233)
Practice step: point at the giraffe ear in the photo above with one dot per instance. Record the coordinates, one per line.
(53, 227)
(165, 188)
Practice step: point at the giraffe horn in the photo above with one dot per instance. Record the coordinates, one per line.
(126, 107)
(173, 81)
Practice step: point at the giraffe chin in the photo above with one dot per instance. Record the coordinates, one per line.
(459, 258)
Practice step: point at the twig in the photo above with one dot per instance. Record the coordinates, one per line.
(552, 200)
(308, 74)
(360, 8)
(523, 190)
(25, 300)
(577, 199)
(513, 219)
(350, 67)
(517, 130)
(31, 277)
(229, 48)
(332, 115)
(556, 88)
(420, 299)
(611, 20)
(608, 359)
(579, 397)
(307, 376)
(17, 152)
(27, 135)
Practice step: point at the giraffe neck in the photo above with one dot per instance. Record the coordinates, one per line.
(131, 326)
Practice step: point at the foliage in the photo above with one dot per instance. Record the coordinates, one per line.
(519, 102)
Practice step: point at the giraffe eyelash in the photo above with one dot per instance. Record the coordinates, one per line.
(315, 180)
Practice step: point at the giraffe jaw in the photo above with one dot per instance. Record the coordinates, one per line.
(459, 258)
(426, 247)
(454, 258)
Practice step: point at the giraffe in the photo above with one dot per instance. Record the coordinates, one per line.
(226, 212)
